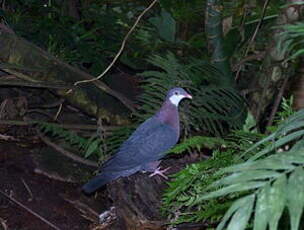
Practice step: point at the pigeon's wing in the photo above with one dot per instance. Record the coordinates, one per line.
(148, 143)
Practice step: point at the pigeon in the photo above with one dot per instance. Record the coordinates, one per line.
(146, 146)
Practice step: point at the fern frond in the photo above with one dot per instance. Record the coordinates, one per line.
(189, 183)
(197, 142)
(95, 145)
(272, 184)
(88, 146)
(214, 108)
(291, 40)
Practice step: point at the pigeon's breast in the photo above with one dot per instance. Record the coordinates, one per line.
(169, 116)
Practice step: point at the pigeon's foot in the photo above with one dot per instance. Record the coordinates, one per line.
(159, 172)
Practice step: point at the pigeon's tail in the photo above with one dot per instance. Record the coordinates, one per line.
(96, 183)
(106, 177)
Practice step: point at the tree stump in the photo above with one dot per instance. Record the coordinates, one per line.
(137, 200)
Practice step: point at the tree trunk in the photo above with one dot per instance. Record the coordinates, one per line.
(137, 202)
(33, 64)
(274, 68)
(297, 86)
(215, 39)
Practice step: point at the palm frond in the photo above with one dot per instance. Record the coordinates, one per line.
(270, 185)
(288, 131)
(291, 40)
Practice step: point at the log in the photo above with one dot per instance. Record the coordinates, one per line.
(29, 62)
(137, 201)
(137, 198)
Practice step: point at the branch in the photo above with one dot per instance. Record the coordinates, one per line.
(277, 102)
(29, 210)
(121, 47)
(65, 126)
(258, 56)
(254, 35)
(40, 84)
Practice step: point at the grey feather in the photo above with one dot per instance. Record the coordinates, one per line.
(147, 144)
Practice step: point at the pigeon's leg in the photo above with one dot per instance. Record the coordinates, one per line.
(151, 166)
(159, 172)
(155, 169)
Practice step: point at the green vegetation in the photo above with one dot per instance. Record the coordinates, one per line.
(233, 57)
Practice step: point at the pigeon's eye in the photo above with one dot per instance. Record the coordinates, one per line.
(176, 93)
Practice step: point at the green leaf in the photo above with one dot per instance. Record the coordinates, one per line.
(197, 142)
(247, 176)
(294, 122)
(294, 157)
(165, 25)
(280, 142)
(234, 208)
(239, 221)
(273, 162)
(277, 201)
(92, 148)
(298, 146)
(262, 209)
(250, 123)
(233, 188)
(295, 197)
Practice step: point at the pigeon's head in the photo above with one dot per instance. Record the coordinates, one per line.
(175, 95)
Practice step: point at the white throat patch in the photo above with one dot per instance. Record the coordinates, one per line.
(175, 99)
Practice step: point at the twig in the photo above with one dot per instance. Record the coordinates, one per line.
(29, 210)
(28, 189)
(55, 176)
(65, 152)
(3, 224)
(277, 102)
(3, 5)
(102, 86)
(121, 47)
(101, 132)
(51, 105)
(98, 84)
(7, 138)
(58, 112)
(196, 225)
(87, 212)
(254, 35)
(257, 56)
(39, 111)
(2, 108)
(49, 85)
(6, 28)
(65, 126)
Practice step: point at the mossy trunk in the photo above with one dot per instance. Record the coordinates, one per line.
(27, 61)
(137, 201)
(215, 39)
(274, 68)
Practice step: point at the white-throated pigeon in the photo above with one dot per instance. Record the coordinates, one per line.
(148, 144)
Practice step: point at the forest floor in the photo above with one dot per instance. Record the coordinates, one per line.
(51, 199)
(37, 182)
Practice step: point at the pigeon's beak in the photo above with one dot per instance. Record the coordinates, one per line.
(188, 96)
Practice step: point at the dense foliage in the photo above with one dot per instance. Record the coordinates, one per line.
(258, 182)
(215, 108)
(251, 180)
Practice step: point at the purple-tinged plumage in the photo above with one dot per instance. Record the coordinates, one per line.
(168, 114)
(146, 146)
